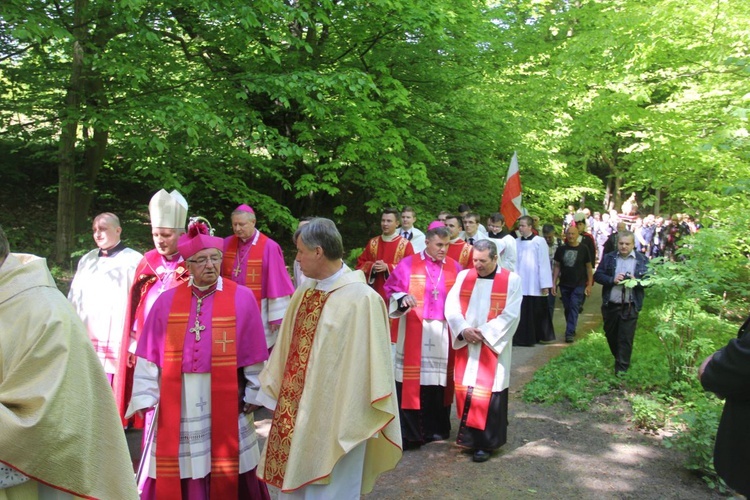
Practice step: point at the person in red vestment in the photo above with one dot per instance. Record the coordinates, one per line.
(199, 358)
(483, 309)
(382, 253)
(424, 361)
(460, 251)
(256, 261)
(159, 270)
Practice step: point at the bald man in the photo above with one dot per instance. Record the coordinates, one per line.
(99, 291)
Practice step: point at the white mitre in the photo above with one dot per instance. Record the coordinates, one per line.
(168, 210)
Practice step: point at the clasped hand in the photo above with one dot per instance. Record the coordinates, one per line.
(472, 335)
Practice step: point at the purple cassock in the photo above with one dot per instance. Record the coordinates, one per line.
(398, 281)
(251, 342)
(275, 281)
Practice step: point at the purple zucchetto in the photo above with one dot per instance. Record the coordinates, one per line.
(245, 208)
(435, 223)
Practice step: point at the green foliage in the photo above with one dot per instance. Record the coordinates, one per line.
(649, 414)
(697, 439)
(339, 109)
(689, 299)
(686, 316)
(581, 373)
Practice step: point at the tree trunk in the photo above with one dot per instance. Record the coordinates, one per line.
(607, 206)
(93, 158)
(78, 179)
(67, 161)
(618, 192)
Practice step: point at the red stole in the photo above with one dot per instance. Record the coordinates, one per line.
(281, 434)
(462, 255)
(480, 396)
(372, 248)
(413, 334)
(145, 278)
(231, 266)
(224, 387)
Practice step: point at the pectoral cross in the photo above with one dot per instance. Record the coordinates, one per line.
(236, 271)
(197, 329)
(435, 293)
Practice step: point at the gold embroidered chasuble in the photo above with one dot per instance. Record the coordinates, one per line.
(348, 394)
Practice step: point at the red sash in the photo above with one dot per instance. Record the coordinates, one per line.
(480, 396)
(254, 269)
(397, 256)
(224, 387)
(145, 278)
(462, 255)
(413, 334)
(284, 417)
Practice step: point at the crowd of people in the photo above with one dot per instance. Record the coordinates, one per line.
(357, 365)
(655, 235)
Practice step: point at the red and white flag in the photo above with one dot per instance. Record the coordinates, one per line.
(510, 206)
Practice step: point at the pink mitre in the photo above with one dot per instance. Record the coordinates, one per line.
(198, 237)
(245, 208)
(435, 223)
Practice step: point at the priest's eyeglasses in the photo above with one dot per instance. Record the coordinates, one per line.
(203, 261)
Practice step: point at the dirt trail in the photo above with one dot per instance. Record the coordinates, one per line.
(551, 452)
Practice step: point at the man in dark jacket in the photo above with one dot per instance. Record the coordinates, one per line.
(727, 373)
(621, 303)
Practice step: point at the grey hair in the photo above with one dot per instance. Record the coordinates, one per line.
(250, 215)
(483, 245)
(321, 232)
(625, 232)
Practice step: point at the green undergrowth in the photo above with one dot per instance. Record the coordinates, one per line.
(659, 401)
(577, 376)
(693, 307)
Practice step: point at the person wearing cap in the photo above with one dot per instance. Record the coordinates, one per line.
(382, 253)
(159, 270)
(197, 338)
(256, 261)
(459, 250)
(330, 379)
(60, 435)
(100, 287)
(416, 293)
